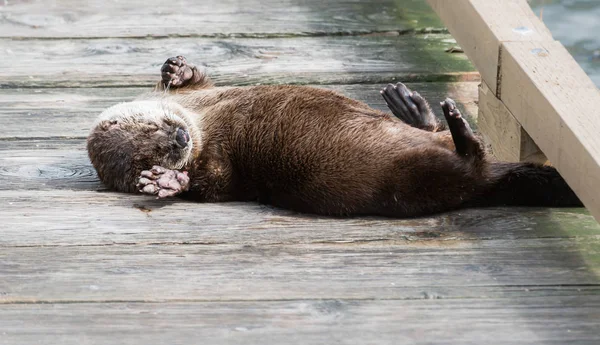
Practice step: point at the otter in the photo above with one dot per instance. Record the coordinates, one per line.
(307, 149)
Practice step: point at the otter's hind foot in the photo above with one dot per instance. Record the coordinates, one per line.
(163, 182)
(410, 107)
(465, 141)
(176, 72)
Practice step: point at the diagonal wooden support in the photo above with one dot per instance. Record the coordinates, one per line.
(536, 80)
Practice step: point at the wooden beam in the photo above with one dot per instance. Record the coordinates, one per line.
(503, 132)
(538, 81)
(558, 104)
(480, 27)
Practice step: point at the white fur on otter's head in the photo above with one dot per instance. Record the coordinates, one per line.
(130, 137)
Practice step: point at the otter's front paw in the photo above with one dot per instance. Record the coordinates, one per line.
(163, 182)
(176, 72)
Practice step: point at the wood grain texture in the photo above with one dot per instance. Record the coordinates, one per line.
(68, 113)
(563, 320)
(372, 270)
(137, 18)
(85, 218)
(509, 141)
(318, 60)
(556, 102)
(481, 26)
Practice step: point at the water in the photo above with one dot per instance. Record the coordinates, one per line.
(576, 24)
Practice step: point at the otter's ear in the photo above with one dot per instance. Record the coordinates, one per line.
(108, 124)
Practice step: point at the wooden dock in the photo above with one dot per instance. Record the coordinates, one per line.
(83, 265)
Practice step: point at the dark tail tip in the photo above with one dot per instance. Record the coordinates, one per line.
(527, 184)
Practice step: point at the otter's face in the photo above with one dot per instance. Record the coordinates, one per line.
(132, 137)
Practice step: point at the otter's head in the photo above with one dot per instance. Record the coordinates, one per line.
(130, 137)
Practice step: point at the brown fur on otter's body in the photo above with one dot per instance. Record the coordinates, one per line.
(306, 149)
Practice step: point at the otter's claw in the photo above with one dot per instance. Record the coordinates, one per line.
(176, 72)
(163, 182)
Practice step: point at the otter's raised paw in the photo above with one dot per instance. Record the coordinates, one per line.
(398, 100)
(410, 107)
(163, 182)
(449, 107)
(176, 72)
(453, 116)
(464, 140)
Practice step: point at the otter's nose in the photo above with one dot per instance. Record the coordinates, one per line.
(182, 137)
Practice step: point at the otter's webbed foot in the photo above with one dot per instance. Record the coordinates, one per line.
(465, 141)
(410, 107)
(163, 182)
(176, 72)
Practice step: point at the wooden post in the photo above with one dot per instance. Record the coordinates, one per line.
(480, 27)
(510, 142)
(530, 83)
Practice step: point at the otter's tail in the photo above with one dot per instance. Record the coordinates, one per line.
(526, 184)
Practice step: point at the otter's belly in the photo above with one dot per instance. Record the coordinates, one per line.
(327, 168)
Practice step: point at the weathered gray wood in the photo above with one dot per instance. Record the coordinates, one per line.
(559, 321)
(138, 18)
(38, 218)
(319, 60)
(66, 80)
(246, 273)
(40, 113)
(373, 270)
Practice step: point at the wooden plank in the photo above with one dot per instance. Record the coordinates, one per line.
(554, 100)
(71, 112)
(480, 27)
(317, 60)
(372, 270)
(565, 320)
(90, 217)
(503, 132)
(137, 18)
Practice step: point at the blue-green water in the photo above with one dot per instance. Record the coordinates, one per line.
(576, 23)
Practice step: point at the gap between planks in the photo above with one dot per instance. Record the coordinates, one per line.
(256, 35)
